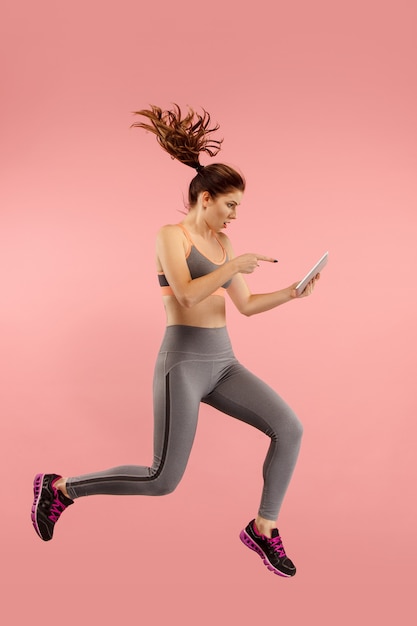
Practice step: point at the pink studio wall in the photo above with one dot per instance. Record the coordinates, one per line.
(316, 102)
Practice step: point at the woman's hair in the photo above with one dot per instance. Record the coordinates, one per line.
(184, 139)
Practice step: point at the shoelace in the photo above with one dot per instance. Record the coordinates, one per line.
(276, 545)
(56, 509)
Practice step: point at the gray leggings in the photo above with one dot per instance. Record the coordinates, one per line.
(198, 365)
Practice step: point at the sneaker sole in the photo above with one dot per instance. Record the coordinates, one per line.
(37, 491)
(244, 537)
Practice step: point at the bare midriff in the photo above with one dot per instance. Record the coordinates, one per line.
(210, 313)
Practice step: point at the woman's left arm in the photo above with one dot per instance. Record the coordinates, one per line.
(248, 303)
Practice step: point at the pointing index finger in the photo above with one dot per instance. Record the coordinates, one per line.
(269, 259)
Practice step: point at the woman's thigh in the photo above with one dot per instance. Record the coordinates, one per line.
(246, 397)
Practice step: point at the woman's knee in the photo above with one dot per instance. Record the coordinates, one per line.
(295, 430)
(298, 429)
(164, 490)
(164, 485)
(289, 430)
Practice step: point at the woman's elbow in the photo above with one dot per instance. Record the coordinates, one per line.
(185, 301)
(245, 310)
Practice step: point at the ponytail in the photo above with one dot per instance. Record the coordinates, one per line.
(184, 139)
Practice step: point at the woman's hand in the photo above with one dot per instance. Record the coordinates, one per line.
(307, 291)
(247, 263)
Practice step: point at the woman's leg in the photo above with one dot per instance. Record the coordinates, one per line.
(178, 388)
(177, 395)
(243, 395)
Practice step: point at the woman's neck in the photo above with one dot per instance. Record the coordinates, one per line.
(195, 222)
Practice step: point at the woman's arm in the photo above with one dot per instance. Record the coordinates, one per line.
(248, 303)
(171, 254)
(170, 248)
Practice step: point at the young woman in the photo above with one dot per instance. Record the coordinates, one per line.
(196, 266)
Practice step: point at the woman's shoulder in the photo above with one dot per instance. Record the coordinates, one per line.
(171, 235)
(170, 230)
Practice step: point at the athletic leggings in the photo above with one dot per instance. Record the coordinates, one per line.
(198, 365)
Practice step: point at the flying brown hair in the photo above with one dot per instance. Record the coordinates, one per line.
(182, 137)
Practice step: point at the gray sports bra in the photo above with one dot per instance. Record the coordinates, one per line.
(198, 264)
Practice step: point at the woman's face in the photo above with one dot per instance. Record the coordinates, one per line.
(221, 210)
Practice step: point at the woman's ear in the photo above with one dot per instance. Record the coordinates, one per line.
(205, 197)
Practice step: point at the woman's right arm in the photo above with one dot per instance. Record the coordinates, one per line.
(188, 291)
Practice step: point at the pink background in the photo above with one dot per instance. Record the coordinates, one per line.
(317, 104)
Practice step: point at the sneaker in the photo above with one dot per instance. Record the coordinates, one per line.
(270, 549)
(48, 505)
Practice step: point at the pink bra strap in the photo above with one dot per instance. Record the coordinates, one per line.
(187, 234)
(190, 241)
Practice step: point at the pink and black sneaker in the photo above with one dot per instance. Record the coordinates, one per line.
(270, 549)
(48, 505)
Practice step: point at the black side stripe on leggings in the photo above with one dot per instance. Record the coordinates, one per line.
(94, 481)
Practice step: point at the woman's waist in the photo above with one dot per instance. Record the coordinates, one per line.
(199, 340)
(210, 313)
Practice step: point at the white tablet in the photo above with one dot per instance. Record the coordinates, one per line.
(315, 270)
